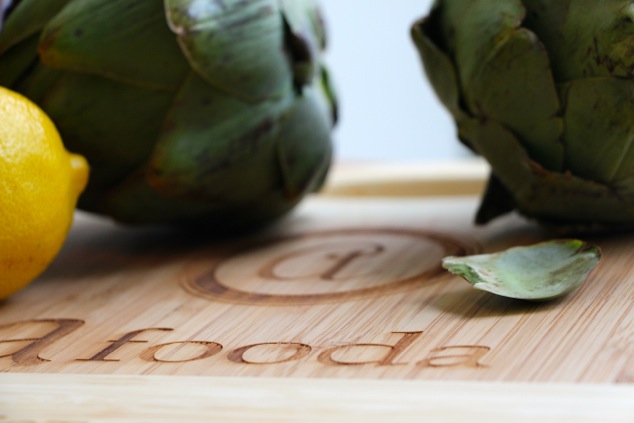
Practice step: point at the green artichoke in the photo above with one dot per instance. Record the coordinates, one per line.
(213, 112)
(544, 91)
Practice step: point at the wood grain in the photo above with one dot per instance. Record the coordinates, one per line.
(346, 288)
(123, 398)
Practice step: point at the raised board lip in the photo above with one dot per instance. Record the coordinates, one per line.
(125, 398)
(464, 177)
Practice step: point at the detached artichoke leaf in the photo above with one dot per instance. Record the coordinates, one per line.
(111, 39)
(210, 137)
(27, 19)
(599, 137)
(236, 46)
(540, 272)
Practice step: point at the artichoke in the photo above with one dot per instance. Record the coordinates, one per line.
(544, 91)
(189, 111)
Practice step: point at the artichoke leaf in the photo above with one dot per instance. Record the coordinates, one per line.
(236, 46)
(472, 28)
(210, 138)
(599, 136)
(38, 82)
(472, 31)
(108, 121)
(554, 197)
(496, 201)
(17, 61)
(492, 54)
(304, 149)
(111, 39)
(439, 68)
(226, 218)
(304, 18)
(539, 272)
(27, 19)
(305, 38)
(501, 148)
(586, 38)
(329, 95)
(534, 118)
(124, 200)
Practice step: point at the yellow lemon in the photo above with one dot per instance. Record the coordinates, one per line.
(39, 186)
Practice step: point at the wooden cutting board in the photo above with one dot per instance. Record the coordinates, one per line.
(340, 311)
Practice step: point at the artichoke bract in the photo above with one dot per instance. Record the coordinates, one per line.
(189, 111)
(544, 91)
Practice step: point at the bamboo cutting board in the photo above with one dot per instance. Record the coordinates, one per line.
(340, 311)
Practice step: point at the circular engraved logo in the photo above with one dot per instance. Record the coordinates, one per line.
(328, 266)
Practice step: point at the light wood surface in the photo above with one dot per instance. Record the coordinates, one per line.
(409, 179)
(118, 398)
(341, 309)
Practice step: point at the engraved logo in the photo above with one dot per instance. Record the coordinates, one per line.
(327, 266)
(23, 342)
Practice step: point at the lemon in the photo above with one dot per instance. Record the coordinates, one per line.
(39, 185)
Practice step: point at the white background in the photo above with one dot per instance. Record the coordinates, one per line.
(388, 110)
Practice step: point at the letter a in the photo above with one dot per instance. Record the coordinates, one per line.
(29, 355)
